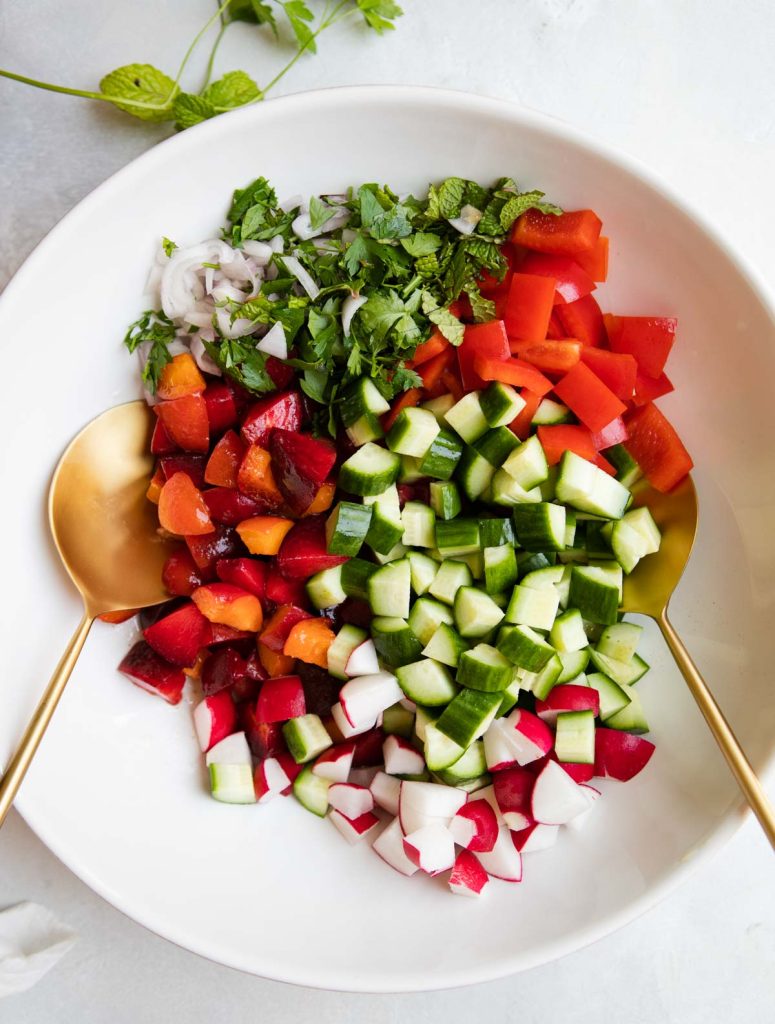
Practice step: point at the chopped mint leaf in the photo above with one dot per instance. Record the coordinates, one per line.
(319, 213)
(168, 246)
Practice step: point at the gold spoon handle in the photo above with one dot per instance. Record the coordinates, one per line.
(726, 739)
(33, 734)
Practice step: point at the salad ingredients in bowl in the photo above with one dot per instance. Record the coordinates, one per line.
(398, 439)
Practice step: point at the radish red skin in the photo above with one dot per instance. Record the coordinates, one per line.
(568, 697)
(216, 718)
(468, 875)
(485, 823)
(513, 789)
(620, 755)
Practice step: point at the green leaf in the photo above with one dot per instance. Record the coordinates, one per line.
(319, 213)
(235, 89)
(403, 379)
(356, 253)
(156, 330)
(191, 109)
(519, 204)
(299, 15)
(451, 198)
(383, 220)
(482, 308)
(314, 383)
(258, 192)
(446, 321)
(379, 14)
(168, 246)
(253, 11)
(421, 243)
(141, 90)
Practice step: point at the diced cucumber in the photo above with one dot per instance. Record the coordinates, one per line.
(388, 497)
(623, 673)
(445, 499)
(423, 570)
(311, 791)
(397, 552)
(631, 718)
(511, 694)
(588, 488)
(573, 664)
(410, 471)
(474, 561)
(530, 561)
(627, 544)
(540, 527)
(360, 409)
(475, 612)
(567, 632)
(325, 589)
(542, 682)
(613, 697)
(574, 739)
(527, 464)
(412, 432)
(595, 540)
(570, 527)
(500, 568)
(563, 587)
(427, 682)
(306, 737)
(355, 577)
(470, 765)
(611, 572)
(441, 459)
(496, 531)
(390, 589)
(484, 668)
(526, 648)
(346, 528)
(457, 537)
(505, 491)
(474, 473)
(593, 593)
(232, 783)
(398, 721)
(423, 717)
(500, 403)
(347, 639)
(549, 413)
(369, 471)
(426, 617)
(620, 641)
(467, 419)
(439, 750)
(468, 716)
(547, 488)
(419, 525)
(386, 526)
(641, 520)
(627, 469)
(450, 577)
(440, 407)
(496, 445)
(395, 642)
(446, 646)
(544, 577)
(534, 608)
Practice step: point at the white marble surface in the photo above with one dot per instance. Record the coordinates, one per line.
(686, 86)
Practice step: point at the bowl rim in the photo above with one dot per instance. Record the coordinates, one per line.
(519, 114)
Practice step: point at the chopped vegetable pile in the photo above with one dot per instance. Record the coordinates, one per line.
(398, 441)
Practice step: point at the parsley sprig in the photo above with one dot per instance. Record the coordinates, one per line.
(149, 94)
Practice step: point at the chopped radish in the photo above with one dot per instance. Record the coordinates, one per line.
(351, 801)
(401, 758)
(335, 763)
(431, 848)
(270, 779)
(233, 750)
(364, 697)
(363, 776)
(620, 755)
(529, 736)
(535, 837)
(488, 794)
(556, 797)
(343, 725)
(567, 697)
(592, 795)
(423, 803)
(468, 877)
(513, 788)
(498, 749)
(214, 719)
(363, 660)
(289, 766)
(281, 699)
(504, 860)
(475, 826)
(354, 829)
(389, 845)
(578, 772)
(385, 790)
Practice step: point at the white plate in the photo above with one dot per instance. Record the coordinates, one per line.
(117, 789)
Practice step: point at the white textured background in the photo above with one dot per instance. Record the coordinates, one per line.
(687, 86)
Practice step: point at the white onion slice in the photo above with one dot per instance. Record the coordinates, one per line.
(238, 329)
(181, 285)
(274, 343)
(350, 307)
(261, 252)
(302, 276)
(277, 244)
(467, 221)
(203, 361)
(302, 225)
(292, 203)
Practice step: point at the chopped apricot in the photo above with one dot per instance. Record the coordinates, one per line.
(224, 462)
(180, 377)
(229, 605)
(255, 477)
(322, 500)
(154, 487)
(309, 641)
(263, 535)
(116, 617)
(276, 664)
(185, 420)
(182, 508)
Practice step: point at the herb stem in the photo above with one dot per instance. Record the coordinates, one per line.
(198, 37)
(327, 18)
(85, 94)
(211, 61)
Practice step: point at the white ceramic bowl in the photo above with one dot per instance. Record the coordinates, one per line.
(117, 789)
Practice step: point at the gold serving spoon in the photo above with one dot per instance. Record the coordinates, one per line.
(648, 590)
(106, 532)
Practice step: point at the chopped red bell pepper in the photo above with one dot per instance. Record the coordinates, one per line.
(488, 340)
(604, 464)
(404, 401)
(566, 437)
(614, 433)
(549, 356)
(648, 338)
(428, 349)
(595, 260)
(555, 331)
(649, 389)
(572, 281)
(589, 398)
(529, 306)
(521, 425)
(657, 448)
(432, 370)
(512, 371)
(452, 384)
(565, 235)
(583, 320)
(616, 370)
